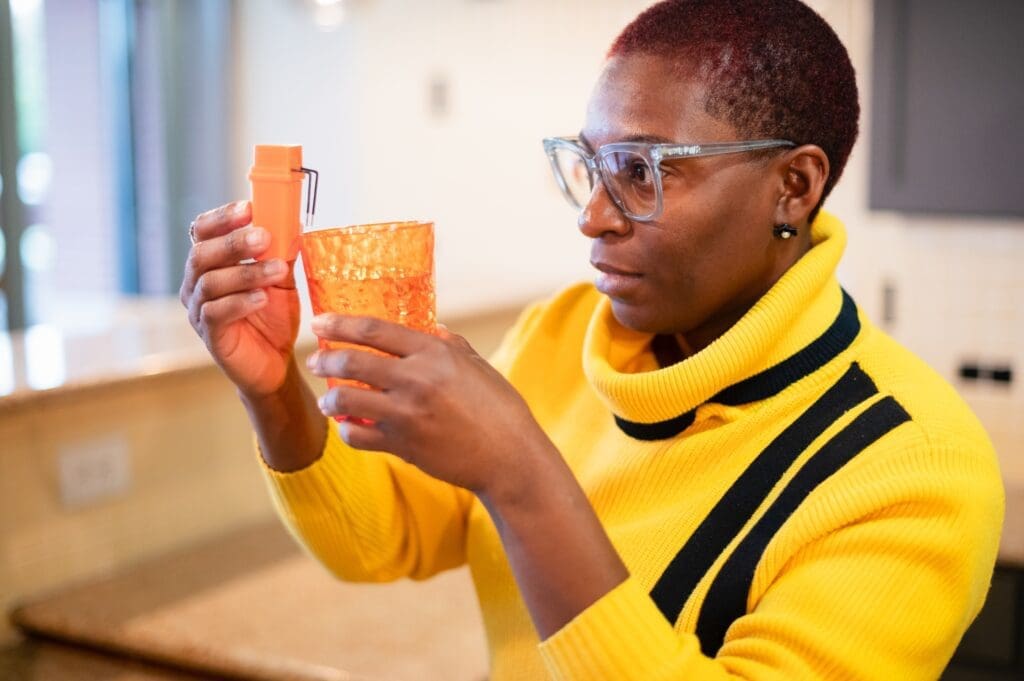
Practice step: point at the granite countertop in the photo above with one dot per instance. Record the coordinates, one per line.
(124, 340)
(130, 339)
(40, 660)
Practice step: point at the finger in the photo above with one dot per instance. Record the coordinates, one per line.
(223, 311)
(220, 221)
(361, 403)
(221, 282)
(354, 364)
(288, 280)
(365, 437)
(219, 252)
(229, 249)
(376, 333)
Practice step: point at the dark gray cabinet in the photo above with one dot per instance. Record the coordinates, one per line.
(993, 648)
(947, 115)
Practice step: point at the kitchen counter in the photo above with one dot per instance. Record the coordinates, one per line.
(132, 339)
(125, 341)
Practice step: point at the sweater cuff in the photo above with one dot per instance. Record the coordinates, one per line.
(621, 636)
(333, 473)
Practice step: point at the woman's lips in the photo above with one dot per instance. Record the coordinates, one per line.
(615, 282)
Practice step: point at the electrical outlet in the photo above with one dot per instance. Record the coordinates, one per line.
(93, 470)
(997, 373)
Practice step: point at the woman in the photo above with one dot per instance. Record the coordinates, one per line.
(708, 465)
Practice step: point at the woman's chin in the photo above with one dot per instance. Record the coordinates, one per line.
(639, 318)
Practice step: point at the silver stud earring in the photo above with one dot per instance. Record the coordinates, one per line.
(784, 231)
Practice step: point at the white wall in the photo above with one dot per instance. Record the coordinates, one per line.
(357, 99)
(522, 69)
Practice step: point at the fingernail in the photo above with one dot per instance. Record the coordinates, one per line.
(312, 360)
(319, 322)
(256, 236)
(272, 267)
(322, 403)
(240, 207)
(257, 296)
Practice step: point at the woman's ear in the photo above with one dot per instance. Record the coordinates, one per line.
(803, 172)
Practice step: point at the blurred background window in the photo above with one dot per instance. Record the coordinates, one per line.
(96, 198)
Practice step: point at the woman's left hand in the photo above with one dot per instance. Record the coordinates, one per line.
(442, 407)
(437, 404)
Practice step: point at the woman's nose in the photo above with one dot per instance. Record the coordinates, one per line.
(601, 215)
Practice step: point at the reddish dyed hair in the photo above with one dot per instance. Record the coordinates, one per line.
(771, 68)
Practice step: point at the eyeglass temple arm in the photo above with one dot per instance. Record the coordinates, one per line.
(684, 150)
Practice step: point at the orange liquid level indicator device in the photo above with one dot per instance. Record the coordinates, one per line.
(276, 178)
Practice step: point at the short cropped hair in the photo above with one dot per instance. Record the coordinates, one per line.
(771, 68)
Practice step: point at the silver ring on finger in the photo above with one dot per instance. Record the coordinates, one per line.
(192, 232)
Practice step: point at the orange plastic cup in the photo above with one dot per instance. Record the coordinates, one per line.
(383, 270)
(277, 196)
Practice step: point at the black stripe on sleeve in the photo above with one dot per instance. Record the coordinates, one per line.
(749, 491)
(726, 600)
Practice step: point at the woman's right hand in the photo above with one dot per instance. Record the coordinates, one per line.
(247, 314)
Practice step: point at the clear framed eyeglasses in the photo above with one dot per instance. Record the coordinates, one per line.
(630, 171)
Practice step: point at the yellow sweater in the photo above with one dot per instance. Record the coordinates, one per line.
(803, 499)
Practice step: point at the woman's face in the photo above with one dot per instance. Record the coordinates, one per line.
(698, 267)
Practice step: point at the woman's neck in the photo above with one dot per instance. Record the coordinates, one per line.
(670, 349)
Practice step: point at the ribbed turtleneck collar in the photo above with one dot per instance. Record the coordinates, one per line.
(803, 321)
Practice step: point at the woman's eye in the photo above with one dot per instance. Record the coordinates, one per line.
(640, 173)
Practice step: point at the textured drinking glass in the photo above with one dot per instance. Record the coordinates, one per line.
(383, 270)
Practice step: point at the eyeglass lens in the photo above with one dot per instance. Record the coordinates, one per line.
(630, 179)
(574, 173)
(627, 176)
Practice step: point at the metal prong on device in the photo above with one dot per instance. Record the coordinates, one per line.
(311, 190)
